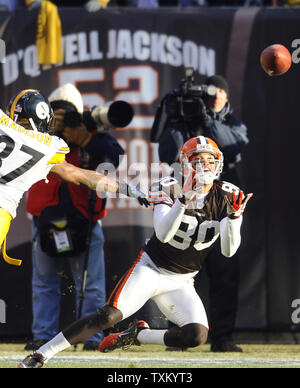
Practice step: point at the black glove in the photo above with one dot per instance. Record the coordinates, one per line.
(133, 192)
(198, 121)
(202, 110)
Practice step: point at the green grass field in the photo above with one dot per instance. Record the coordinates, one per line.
(155, 356)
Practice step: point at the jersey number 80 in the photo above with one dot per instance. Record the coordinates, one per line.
(191, 232)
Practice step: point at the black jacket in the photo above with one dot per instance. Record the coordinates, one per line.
(229, 133)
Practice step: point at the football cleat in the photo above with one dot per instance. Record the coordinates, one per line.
(124, 338)
(34, 360)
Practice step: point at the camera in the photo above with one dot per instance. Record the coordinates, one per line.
(184, 104)
(188, 88)
(116, 114)
(189, 96)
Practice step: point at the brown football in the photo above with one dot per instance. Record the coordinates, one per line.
(275, 59)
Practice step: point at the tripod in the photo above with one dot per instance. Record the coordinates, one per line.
(92, 201)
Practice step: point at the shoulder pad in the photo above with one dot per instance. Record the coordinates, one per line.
(228, 187)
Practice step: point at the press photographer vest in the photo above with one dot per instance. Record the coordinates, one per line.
(42, 195)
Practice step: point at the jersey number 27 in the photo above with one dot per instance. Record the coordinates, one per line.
(7, 151)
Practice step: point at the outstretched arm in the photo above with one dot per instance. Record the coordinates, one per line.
(230, 226)
(230, 235)
(79, 176)
(166, 220)
(96, 181)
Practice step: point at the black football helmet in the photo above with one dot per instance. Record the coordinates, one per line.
(32, 110)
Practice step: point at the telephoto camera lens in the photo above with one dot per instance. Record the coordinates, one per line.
(117, 114)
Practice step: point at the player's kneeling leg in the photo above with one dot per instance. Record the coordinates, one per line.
(188, 336)
(84, 328)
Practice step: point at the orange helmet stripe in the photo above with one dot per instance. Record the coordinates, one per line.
(17, 98)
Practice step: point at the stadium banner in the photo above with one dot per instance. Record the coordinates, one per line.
(138, 56)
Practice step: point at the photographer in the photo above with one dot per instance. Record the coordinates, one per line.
(205, 110)
(66, 226)
(192, 112)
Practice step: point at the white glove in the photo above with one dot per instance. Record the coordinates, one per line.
(188, 193)
(93, 6)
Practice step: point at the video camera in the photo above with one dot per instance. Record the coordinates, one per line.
(116, 114)
(188, 96)
(184, 104)
(188, 88)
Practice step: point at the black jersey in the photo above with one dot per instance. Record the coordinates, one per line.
(198, 231)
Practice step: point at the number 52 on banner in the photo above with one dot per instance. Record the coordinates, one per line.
(145, 94)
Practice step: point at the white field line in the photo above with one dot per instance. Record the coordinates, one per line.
(158, 361)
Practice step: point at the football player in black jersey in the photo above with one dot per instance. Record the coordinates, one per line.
(189, 216)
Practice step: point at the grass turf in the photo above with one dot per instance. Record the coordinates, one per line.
(155, 357)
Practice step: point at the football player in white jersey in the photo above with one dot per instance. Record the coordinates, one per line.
(28, 153)
(188, 219)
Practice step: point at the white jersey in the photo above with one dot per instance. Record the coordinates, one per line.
(26, 157)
